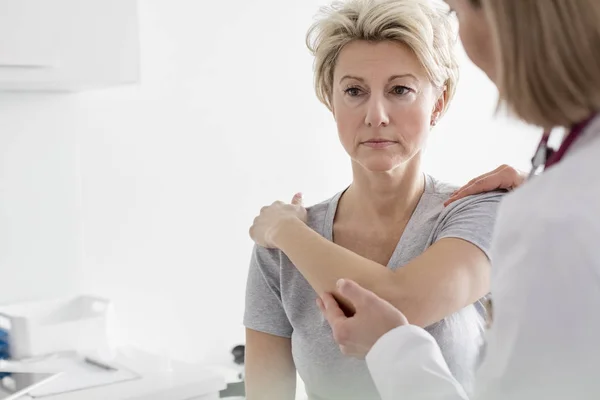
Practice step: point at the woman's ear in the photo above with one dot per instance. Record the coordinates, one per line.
(439, 107)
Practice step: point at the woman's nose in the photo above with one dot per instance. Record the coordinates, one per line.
(377, 114)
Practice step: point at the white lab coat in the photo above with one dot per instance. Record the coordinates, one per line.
(544, 343)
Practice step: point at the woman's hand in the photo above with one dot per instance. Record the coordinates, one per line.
(271, 218)
(374, 317)
(503, 177)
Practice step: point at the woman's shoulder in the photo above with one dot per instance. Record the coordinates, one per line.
(319, 213)
(321, 207)
(439, 188)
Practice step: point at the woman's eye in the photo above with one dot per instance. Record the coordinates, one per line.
(352, 91)
(401, 90)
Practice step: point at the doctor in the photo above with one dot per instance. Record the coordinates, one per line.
(543, 343)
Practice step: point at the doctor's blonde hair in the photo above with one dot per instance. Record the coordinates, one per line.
(422, 25)
(547, 58)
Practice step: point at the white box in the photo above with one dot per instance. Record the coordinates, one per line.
(69, 324)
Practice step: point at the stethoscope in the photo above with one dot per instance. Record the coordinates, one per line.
(545, 156)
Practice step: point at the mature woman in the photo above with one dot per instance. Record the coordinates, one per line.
(544, 57)
(387, 71)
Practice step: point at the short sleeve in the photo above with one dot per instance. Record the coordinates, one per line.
(471, 219)
(264, 310)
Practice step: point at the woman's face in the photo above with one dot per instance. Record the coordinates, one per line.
(475, 34)
(383, 104)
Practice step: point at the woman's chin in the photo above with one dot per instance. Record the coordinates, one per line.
(380, 165)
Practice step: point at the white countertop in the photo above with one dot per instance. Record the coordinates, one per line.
(161, 379)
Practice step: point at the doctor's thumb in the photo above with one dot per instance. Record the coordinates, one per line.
(352, 291)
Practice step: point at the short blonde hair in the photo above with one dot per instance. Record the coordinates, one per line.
(548, 58)
(422, 25)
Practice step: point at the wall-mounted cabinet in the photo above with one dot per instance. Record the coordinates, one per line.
(68, 45)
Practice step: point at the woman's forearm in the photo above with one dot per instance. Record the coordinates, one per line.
(323, 262)
(447, 277)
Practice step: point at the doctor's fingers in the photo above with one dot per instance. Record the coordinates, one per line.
(351, 351)
(357, 295)
(505, 177)
(330, 308)
(346, 331)
(483, 176)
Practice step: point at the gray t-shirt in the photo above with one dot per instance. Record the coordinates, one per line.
(279, 301)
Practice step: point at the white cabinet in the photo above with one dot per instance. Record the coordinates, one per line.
(68, 45)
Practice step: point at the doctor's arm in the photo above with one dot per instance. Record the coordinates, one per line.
(504, 177)
(408, 360)
(448, 276)
(540, 345)
(404, 360)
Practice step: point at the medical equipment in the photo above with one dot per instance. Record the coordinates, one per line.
(4, 349)
(545, 156)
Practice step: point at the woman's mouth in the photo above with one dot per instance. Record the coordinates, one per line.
(379, 143)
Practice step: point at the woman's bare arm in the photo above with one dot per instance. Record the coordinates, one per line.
(269, 367)
(448, 276)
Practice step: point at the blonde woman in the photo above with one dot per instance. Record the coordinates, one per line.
(386, 70)
(544, 57)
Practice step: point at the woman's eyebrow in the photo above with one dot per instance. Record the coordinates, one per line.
(391, 78)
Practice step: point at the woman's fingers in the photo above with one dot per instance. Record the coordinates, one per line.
(297, 199)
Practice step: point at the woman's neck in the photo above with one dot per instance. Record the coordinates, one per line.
(387, 196)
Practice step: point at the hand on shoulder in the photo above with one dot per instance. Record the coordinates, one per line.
(503, 177)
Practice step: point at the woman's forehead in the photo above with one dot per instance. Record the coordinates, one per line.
(384, 58)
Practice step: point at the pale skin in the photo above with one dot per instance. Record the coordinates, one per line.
(384, 107)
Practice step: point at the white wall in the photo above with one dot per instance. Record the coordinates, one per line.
(40, 205)
(173, 171)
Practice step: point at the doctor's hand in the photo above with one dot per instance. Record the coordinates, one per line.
(272, 217)
(503, 177)
(373, 318)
